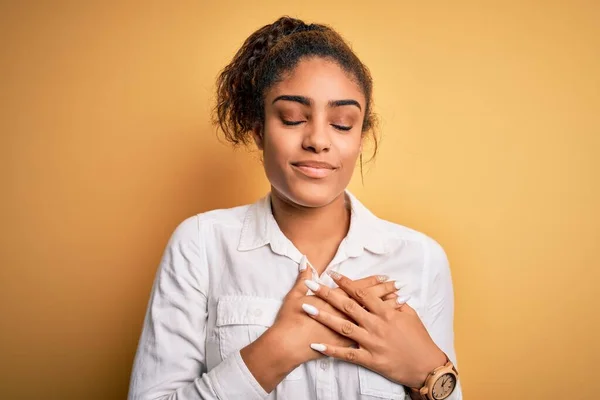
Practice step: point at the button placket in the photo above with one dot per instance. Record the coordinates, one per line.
(324, 364)
(324, 379)
(314, 276)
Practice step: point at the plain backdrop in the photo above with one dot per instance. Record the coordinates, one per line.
(490, 144)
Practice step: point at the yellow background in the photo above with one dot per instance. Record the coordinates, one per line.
(491, 141)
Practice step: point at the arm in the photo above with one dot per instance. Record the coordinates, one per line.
(439, 314)
(402, 346)
(170, 360)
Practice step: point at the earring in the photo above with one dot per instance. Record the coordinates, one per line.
(362, 178)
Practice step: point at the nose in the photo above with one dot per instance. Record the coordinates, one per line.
(316, 138)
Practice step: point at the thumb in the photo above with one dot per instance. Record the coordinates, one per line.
(304, 272)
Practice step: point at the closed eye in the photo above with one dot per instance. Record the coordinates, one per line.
(291, 123)
(341, 127)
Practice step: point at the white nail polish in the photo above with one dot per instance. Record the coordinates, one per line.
(382, 278)
(312, 285)
(310, 310)
(318, 347)
(334, 275)
(302, 265)
(402, 299)
(398, 285)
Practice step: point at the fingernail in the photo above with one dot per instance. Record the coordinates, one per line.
(382, 278)
(402, 299)
(334, 275)
(312, 285)
(302, 265)
(310, 310)
(398, 285)
(318, 347)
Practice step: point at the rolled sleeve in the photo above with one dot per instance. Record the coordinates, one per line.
(439, 317)
(233, 380)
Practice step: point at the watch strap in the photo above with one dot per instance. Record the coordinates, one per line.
(424, 393)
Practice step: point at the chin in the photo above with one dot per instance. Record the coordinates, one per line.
(310, 195)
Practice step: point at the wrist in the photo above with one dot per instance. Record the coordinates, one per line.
(267, 361)
(426, 368)
(282, 351)
(439, 383)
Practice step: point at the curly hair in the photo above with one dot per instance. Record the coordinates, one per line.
(263, 60)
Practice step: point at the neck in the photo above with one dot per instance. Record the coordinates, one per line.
(312, 229)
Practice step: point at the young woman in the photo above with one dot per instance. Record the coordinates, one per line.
(304, 294)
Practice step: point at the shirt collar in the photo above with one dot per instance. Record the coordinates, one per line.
(365, 232)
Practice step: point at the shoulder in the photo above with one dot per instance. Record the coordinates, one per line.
(433, 254)
(195, 226)
(431, 261)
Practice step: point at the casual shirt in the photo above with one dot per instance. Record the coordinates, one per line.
(221, 282)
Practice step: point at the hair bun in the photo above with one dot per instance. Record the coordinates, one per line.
(270, 35)
(286, 26)
(265, 55)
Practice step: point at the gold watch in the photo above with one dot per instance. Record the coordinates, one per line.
(439, 384)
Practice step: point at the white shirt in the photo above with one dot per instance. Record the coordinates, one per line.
(221, 282)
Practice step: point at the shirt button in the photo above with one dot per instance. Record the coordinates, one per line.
(324, 364)
(257, 312)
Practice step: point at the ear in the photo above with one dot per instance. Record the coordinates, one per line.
(257, 134)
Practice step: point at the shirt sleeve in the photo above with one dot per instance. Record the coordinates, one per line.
(439, 315)
(170, 360)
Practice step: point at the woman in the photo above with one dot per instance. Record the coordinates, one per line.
(294, 297)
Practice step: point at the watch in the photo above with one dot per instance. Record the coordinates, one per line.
(439, 384)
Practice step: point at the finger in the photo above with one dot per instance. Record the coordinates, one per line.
(349, 354)
(399, 303)
(392, 304)
(304, 273)
(391, 296)
(384, 289)
(371, 302)
(337, 324)
(342, 302)
(371, 280)
(340, 292)
(404, 307)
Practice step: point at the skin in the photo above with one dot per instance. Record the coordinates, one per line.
(375, 326)
(309, 211)
(316, 113)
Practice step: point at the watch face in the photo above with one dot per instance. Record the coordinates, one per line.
(443, 387)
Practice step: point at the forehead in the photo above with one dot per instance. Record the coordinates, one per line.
(319, 79)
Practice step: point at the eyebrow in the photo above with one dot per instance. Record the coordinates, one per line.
(307, 101)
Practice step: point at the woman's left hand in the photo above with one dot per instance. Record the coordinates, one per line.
(392, 340)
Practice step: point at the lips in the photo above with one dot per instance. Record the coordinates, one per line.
(314, 164)
(314, 169)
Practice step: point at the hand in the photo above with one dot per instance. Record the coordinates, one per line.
(295, 331)
(393, 344)
(285, 345)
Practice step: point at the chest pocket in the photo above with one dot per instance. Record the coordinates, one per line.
(374, 385)
(242, 319)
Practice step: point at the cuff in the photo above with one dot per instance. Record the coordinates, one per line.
(233, 380)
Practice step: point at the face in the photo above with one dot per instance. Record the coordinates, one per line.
(312, 134)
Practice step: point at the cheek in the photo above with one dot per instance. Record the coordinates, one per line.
(276, 151)
(349, 149)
